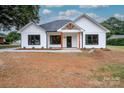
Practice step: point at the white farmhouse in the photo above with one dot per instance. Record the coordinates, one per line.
(83, 32)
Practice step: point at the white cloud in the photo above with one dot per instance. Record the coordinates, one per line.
(68, 14)
(96, 17)
(49, 6)
(92, 6)
(46, 12)
(73, 14)
(59, 17)
(119, 16)
(92, 15)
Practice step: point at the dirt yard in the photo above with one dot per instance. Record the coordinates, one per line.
(99, 69)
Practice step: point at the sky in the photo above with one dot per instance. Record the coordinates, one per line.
(98, 12)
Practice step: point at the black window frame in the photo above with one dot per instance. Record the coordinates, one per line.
(54, 37)
(33, 42)
(94, 39)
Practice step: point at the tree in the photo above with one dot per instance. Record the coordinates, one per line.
(13, 36)
(115, 26)
(17, 16)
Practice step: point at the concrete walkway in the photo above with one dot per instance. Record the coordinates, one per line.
(53, 51)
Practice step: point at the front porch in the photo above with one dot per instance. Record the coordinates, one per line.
(64, 40)
(68, 36)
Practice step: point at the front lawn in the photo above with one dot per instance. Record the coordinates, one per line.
(114, 70)
(117, 47)
(8, 46)
(99, 69)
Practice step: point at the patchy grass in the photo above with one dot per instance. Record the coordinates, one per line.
(121, 47)
(117, 48)
(8, 46)
(115, 70)
(109, 75)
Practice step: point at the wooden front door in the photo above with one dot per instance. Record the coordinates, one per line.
(69, 41)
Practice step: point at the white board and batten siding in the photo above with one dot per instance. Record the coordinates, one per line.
(33, 30)
(92, 28)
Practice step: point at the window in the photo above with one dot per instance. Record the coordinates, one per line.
(91, 39)
(55, 39)
(33, 39)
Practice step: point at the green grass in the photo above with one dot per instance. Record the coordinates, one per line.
(117, 48)
(120, 47)
(116, 70)
(8, 46)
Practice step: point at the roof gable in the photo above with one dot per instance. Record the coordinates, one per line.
(70, 26)
(92, 20)
(25, 26)
(29, 24)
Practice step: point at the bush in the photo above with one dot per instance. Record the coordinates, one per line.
(117, 42)
(13, 36)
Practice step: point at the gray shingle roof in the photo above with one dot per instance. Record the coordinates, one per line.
(54, 25)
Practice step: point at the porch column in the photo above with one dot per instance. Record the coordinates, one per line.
(79, 38)
(61, 40)
(46, 40)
